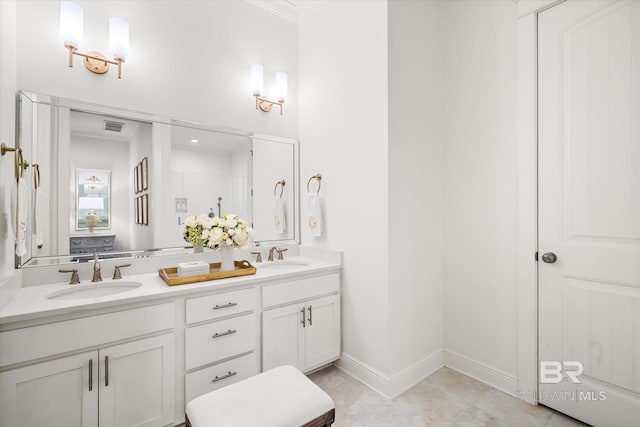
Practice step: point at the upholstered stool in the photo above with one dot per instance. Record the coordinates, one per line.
(281, 397)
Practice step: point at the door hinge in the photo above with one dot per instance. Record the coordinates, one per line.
(536, 256)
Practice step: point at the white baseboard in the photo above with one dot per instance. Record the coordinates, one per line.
(494, 377)
(391, 386)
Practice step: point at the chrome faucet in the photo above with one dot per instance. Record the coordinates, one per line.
(97, 275)
(271, 253)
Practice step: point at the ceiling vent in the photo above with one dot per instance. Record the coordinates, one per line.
(113, 126)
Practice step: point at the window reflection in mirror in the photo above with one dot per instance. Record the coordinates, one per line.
(93, 204)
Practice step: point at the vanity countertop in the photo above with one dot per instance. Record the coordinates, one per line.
(31, 302)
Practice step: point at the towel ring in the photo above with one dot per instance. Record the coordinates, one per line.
(318, 178)
(275, 188)
(19, 164)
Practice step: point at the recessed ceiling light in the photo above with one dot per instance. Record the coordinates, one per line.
(194, 141)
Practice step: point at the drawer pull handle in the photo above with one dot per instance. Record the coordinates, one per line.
(229, 332)
(304, 319)
(90, 374)
(217, 378)
(231, 304)
(106, 371)
(310, 317)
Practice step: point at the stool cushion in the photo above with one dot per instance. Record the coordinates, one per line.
(280, 397)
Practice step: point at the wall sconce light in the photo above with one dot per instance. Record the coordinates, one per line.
(71, 32)
(262, 103)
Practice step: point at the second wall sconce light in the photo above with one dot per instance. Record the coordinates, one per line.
(262, 103)
(71, 33)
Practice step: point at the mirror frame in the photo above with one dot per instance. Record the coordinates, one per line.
(88, 107)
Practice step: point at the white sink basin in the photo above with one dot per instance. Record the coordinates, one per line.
(93, 290)
(286, 264)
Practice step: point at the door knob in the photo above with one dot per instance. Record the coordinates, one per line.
(549, 257)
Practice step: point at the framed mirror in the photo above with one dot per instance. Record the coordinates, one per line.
(93, 200)
(138, 176)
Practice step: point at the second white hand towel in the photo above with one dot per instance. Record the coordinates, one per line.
(279, 221)
(21, 218)
(315, 215)
(38, 213)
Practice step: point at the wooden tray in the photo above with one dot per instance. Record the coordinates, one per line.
(242, 268)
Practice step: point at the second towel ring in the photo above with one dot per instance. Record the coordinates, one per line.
(275, 188)
(318, 178)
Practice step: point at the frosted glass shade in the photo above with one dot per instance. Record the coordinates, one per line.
(256, 79)
(119, 37)
(71, 22)
(281, 86)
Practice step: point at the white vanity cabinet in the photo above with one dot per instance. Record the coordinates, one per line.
(128, 384)
(221, 351)
(61, 392)
(301, 323)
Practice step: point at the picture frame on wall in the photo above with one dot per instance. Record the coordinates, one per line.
(145, 173)
(135, 209)
(145, 209)
(139, 216)
(136, 182)
(139, 178)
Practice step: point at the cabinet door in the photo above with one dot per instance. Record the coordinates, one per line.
(61, 392)
(137, 382)
(283, 337)
(322, 341)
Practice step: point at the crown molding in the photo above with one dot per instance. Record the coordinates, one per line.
(285, 9)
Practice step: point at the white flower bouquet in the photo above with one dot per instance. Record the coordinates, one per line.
(228, 231)
(193, 229)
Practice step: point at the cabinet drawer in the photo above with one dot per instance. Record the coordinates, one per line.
(21, 345)
(298, 290)
(220, 305)
(203, 381)
(219, 340)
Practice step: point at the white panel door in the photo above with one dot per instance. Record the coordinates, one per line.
(61, 392)
(137, 383)
(589, 209)
(322, 341)
(283, 337)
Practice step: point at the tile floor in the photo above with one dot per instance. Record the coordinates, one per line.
(446, 398)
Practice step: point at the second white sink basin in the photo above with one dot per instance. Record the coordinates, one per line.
(92, 290)
(286, 264)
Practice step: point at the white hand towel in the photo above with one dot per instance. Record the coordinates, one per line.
(315, 215)
(38, 216)
(279, 221)
(21, 215)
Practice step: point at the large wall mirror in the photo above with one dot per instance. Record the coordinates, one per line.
(121, 183)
